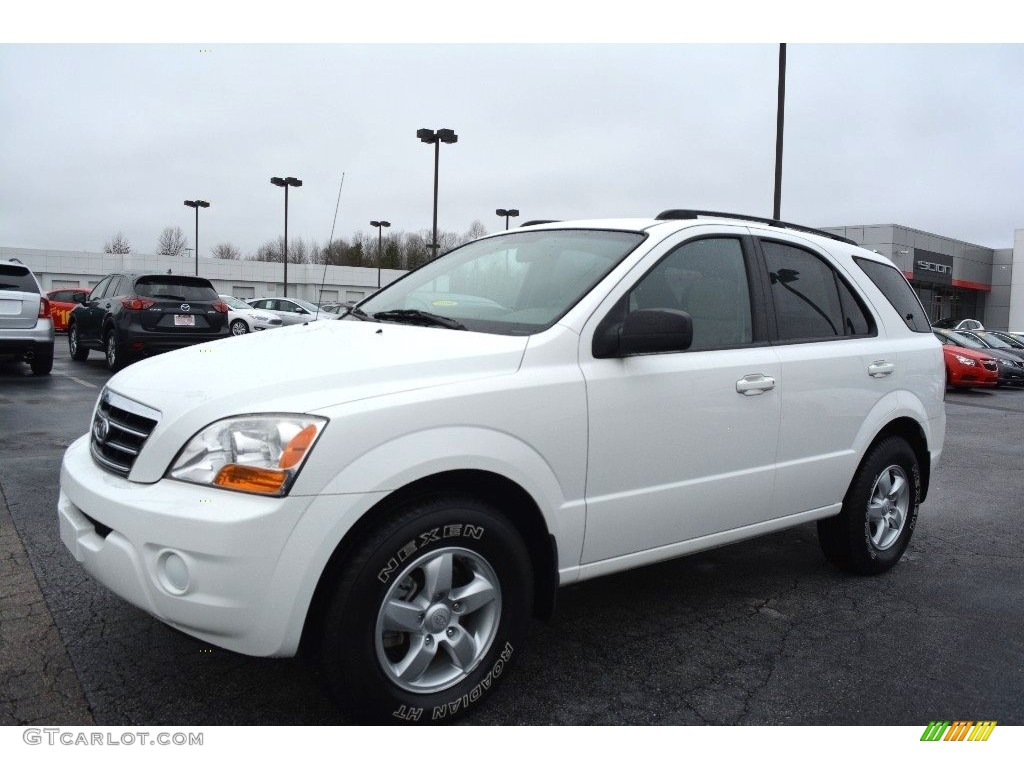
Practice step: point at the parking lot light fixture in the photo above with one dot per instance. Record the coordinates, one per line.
(197, 204)
(437, 138)
(506, 212)
(288, 181)
(379, 225)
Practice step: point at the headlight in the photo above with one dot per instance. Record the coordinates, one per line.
(256, 454)
(965, 360)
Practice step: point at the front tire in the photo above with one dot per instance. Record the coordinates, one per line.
(870, 534)
(115, 360)
(427, 614)
(75, 347)
(239, 328)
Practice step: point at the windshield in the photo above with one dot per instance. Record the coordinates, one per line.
(964, 340)
(234, 303)
(996, 342)
(515, 284)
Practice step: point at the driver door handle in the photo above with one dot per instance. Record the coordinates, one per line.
(755, 384)
(880, 368)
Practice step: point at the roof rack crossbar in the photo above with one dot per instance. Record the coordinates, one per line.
(683, 213)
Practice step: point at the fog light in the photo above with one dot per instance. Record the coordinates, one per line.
(173, 573)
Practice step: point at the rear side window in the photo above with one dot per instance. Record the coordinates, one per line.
(897, 291)
(811, 300)
(176, 288)
(17, 278)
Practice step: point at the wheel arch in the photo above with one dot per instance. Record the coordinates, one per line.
(910, 430)
(511, 499)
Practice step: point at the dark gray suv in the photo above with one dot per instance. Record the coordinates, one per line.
(130, 316)
(26, 328)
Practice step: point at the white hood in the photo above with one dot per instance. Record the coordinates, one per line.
(300, 369)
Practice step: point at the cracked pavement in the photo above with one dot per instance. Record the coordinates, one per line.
(764, 632)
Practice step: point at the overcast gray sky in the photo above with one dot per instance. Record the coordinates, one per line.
(105, 138)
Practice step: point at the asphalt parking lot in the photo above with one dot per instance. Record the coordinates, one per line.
(764, 632)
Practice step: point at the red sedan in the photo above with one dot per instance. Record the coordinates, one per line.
(966, 368)
(61, 304)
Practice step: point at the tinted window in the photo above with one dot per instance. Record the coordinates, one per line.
(63, 295)
(14, 277)
(806, 292)
(707, 279)
(176, 288)
(897, 291)
(99, 291)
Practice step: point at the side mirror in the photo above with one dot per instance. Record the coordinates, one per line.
(645, 331)
(80, 297)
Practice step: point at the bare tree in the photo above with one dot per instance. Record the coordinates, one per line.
(172, 242)
(476, 230)
(117, 244)
(226, 251)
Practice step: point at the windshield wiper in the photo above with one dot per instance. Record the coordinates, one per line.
(418, 317)
(358, 313)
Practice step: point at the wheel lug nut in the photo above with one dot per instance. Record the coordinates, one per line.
(429, 640)
(457, 607)
(450, 632)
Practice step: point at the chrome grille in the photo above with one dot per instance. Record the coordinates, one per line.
(120, 428)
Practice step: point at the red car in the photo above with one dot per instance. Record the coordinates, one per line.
(61, 304)
(966, 368)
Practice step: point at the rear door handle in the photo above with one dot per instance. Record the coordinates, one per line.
(755, 384)
(880, 368)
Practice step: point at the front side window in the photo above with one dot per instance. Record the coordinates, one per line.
(708, 280)
(100, 290)
(515, 284)
(811, 300)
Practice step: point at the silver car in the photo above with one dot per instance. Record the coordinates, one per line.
(26, 328)
(243, 319)
(291, 311)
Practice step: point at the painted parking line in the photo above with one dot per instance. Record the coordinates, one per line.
(80, 381)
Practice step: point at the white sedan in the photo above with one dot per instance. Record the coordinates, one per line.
(243, 319)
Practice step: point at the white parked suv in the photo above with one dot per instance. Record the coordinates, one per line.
(398, 490)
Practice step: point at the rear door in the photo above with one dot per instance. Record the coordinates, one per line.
(89, 316)
(837, 365)
(19, 297)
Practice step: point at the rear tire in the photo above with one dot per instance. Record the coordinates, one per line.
(42, 364)
(870, 534)
(428, 612)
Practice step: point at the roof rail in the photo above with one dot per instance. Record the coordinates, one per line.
(531, 222)
(682, 213)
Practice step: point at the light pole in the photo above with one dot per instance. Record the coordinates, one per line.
(379, 225)
(780, 119)
(507, 213)
(445, 136)
(197, 204)
(290, 181)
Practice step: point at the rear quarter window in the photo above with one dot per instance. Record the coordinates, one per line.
(898, 292)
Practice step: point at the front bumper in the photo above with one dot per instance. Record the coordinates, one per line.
(250, 563)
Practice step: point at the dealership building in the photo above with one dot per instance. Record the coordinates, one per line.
(953, 278)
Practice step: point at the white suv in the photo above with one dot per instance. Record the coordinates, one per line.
(398, 490)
